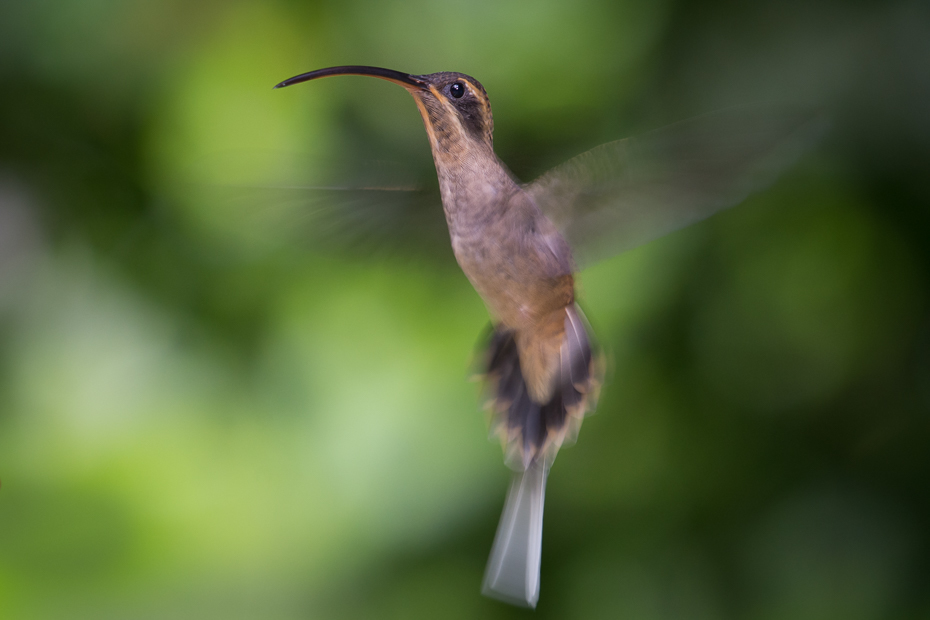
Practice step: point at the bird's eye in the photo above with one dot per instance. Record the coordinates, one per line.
(457, 90)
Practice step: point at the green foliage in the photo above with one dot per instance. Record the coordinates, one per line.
(213, 405)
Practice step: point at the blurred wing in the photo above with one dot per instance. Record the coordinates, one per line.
(373, 210)
(360, 221)
(622, 194)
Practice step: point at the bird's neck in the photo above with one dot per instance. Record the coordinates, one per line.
(474, 184)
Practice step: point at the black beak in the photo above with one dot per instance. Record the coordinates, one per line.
(385, 74)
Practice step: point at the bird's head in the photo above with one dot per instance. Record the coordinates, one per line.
(454, 106)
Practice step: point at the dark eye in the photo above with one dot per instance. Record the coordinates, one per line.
(457, 90)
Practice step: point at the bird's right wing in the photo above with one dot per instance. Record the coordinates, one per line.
(622, 194)
(363, 209)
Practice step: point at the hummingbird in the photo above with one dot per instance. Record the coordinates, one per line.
(519, 245)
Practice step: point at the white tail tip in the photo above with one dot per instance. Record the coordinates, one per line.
(512, 573)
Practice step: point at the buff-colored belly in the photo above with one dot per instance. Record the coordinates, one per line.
(522, 296)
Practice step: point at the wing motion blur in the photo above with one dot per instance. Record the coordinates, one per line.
(625, 193)
(362, 210)
(607, 200)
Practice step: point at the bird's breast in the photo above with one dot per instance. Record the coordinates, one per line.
(516, 272)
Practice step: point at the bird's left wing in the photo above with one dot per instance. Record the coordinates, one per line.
(624, 193)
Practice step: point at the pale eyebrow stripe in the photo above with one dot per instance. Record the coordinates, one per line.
(480, 96)
(448, 105)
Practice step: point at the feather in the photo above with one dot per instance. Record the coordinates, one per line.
(512, 572)
(622, 194)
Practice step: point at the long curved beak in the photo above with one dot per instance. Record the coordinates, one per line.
(409, 82)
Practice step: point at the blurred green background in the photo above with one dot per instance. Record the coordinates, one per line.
(209, 410)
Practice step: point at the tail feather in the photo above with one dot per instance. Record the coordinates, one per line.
(532, 433)
(532, 430)
(576, 352)
(512, 573)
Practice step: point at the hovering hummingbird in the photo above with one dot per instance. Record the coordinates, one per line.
(518, 245)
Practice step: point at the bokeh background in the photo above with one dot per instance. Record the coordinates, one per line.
(216, 400)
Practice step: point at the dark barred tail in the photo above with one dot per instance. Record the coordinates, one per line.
(530, 430)
(532, 433)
